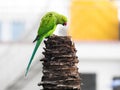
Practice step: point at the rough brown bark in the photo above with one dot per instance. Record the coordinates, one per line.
(59, 65)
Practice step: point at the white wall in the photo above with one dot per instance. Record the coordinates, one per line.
(103, 59)
(103, 50)
(13, 62)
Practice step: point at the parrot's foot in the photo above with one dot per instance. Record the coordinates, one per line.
(53, 35)
(50, 36)
(47, 37)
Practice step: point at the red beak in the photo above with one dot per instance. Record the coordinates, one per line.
(64, 24)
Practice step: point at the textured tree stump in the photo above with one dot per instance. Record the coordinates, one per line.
(59, 65)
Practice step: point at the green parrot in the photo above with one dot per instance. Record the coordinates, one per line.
(47, 26)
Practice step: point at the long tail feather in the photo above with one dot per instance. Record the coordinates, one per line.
(33, 54)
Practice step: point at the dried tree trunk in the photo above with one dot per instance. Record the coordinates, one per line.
(59, 65)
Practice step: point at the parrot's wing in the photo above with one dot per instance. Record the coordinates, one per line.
(48, 22)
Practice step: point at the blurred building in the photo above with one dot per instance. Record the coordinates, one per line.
(99, 58)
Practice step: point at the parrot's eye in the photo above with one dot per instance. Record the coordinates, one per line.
(64, 24)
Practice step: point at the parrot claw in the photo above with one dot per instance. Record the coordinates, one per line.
(53, 35)
(47, 37)
(50, 36)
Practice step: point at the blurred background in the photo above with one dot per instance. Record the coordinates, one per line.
(95, 29)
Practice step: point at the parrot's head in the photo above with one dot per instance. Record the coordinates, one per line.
(62, 20)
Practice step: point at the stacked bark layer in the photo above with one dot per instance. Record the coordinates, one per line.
(59, 65)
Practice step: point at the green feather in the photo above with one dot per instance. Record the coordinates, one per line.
(47, 26)
(33, 54)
